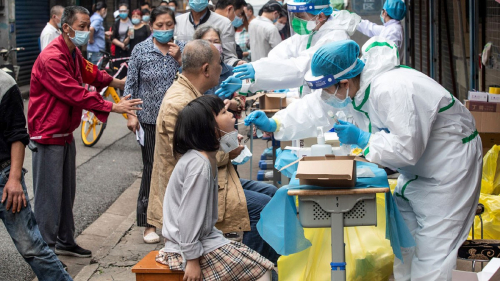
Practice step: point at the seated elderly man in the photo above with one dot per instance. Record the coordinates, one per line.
(239, 206)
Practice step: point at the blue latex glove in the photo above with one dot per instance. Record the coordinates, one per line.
(244, 71)
(228, 87)
(350, 134)
(259, 119)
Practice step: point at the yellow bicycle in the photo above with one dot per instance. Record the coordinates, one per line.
(92, 127)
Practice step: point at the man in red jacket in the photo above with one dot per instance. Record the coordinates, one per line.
(55, 106)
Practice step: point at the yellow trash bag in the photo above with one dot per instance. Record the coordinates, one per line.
(490, 183)
(368, 254)
(491, 218)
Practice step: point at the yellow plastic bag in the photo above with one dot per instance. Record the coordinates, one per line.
(491, 218)
(490, 183)
(368, 254)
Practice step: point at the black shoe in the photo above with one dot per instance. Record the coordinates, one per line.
(75, 251)
(64, 266)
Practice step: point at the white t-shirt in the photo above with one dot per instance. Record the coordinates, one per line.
(264, 36)
(49, 33)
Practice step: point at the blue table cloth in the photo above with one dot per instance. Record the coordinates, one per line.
(280, 227)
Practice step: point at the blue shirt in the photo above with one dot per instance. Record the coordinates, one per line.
(150, 74)
(99, 43)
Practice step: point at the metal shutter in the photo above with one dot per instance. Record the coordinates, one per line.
(31, 18)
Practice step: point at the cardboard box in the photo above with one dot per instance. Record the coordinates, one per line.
(272, 101)
(489, 140)
(491, 272)
(327, 171)
(480, 106)
(493, 98)
(487, 116)
(478, 96)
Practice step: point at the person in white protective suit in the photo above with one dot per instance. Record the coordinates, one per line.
(393, 12)
(408, 122)
(315, 24)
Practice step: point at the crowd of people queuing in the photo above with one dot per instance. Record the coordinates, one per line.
(181, 89)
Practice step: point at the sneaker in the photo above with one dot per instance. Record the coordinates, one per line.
(75, 251)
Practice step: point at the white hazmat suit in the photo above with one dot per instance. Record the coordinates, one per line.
(288, 62)
(420, 129)
(391, 31)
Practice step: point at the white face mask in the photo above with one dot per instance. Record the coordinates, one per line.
(229, 141)
(218, 46)
(280, 26)
(311, 24)
(244, 156)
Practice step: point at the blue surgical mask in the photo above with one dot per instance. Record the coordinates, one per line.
(382, 17)
(171, 8)
(198, 5)
(136, 21)
(81, 37)
(334, 101)
(123, 15)
(237, 22)
(145, 18)
(163, 36)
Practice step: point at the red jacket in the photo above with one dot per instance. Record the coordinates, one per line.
(57, 96)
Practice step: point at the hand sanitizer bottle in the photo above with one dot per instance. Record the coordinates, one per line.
(321, 149)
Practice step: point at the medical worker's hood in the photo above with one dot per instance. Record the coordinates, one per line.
(379, 56)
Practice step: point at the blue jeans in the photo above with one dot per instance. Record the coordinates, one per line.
(23, 230)
(94, 57)
(258, 194)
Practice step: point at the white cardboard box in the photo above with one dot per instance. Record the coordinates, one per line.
(494, 98)
(478, 96)
(491, 272)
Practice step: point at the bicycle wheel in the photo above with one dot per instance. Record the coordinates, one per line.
(92, 130)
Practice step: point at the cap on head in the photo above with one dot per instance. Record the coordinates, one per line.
(396, 9)
(314, 7)
(333, 62)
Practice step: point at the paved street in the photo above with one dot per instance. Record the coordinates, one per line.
(103, 173)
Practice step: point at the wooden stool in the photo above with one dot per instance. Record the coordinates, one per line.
(149, 270)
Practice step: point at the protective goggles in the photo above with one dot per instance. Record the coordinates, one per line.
(321, 82)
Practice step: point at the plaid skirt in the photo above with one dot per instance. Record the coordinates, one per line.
(233, 261)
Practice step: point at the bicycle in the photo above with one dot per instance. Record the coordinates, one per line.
(12, 70)
(90, 123)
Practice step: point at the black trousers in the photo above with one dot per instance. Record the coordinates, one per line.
(148, 151)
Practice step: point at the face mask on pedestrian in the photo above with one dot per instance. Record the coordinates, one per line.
(237, 22)
(163, 36)
(123, 15)
(145, 18)
(334, 101)
(198, 5)
(171, 8)
(276, 19)
(279, 26)
(81, 37)
(229, 141)
(136, 21)
(382, 17)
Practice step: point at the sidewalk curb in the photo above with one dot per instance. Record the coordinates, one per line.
(120, 213)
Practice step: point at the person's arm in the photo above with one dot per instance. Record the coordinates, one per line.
(59, 82)
(116, 35)
(132, 85)
(409, 124)
(17, 136)
(300, 119)
(192, 209)
(370, 29)
(91, 35)
(290, 63)
(274, 37)
(229, 46)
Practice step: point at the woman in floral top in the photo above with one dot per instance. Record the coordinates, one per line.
(153, 66)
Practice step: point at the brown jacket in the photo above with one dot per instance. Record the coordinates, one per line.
(233, 212)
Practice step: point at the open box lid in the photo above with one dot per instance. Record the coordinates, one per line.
(326, 167)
